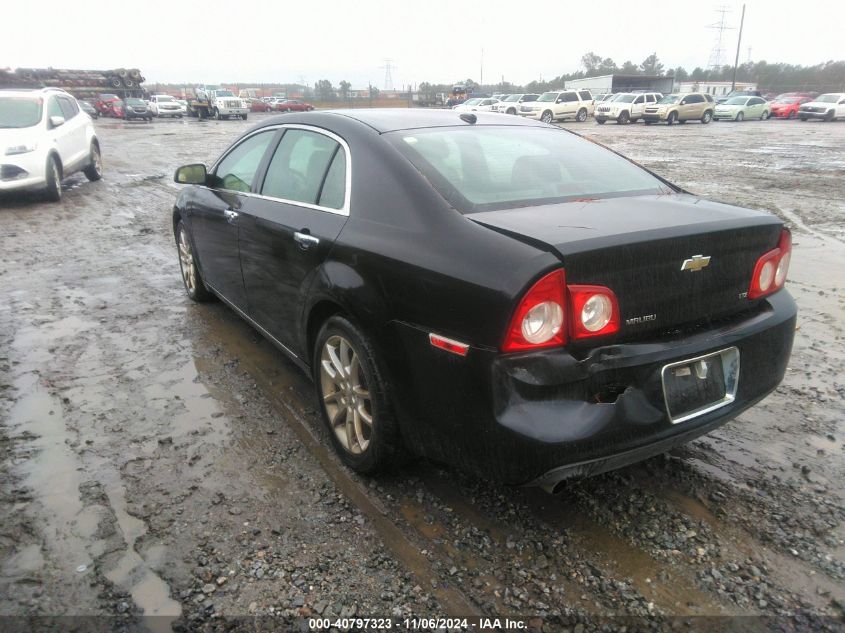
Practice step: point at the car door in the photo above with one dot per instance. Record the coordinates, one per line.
(214, 214)
(637, 107)
(60, 135)
(292, 225)
(691, 107)
(74, 131)
(753, 109)
(840, 107)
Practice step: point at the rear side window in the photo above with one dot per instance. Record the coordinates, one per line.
(568, 96)
(486, 168)
(237, 170)
(299, 167)
(694, 99)
(334, 188)
(585, 95)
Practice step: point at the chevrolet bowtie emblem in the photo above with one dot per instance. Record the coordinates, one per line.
(696, 262)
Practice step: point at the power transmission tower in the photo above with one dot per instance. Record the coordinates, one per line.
(388, 73)
(717, 53)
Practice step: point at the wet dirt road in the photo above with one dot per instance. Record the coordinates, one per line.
(160, 458)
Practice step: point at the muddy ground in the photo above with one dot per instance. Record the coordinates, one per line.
(158, 457)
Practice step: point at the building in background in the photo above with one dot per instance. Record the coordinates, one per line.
(715, 88)
(623, 83)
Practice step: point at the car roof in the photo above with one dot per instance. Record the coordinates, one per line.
(391, 119)
(27, 92)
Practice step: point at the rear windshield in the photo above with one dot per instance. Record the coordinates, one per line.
(19, 112)
(488, 168)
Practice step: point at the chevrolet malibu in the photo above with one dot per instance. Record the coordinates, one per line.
(496, 293)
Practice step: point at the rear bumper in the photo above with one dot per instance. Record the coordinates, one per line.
(546, 416)
(812, 115)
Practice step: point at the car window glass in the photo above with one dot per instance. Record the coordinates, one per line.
(334, 188)
(54, 109)
(639, 99)
(69, 109)
(649, 98)
(299, 166)
(585, 95)
(570, 96)
(492, 168)
(237, 170)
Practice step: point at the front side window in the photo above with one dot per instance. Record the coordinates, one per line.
(638, 100)
(299, 169)
(18, 112)
(482, 169)
(69, 108)
(236, 172)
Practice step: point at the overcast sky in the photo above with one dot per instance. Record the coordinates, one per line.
(429, 40)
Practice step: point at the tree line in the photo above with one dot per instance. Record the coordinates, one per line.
(775, 77)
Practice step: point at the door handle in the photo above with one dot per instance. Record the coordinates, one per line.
(305, 240)
(231, 216)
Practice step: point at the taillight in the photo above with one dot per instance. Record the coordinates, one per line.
(595, 311)
(539, 318)
(551, 312)
(771, 269)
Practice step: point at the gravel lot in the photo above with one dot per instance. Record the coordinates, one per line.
(160, 458)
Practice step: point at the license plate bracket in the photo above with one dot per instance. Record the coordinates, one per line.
(695, 386)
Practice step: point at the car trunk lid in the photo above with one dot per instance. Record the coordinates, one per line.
(645, 249)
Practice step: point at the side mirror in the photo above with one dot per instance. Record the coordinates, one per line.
(683, 102)
(191, 175)
(56, 121)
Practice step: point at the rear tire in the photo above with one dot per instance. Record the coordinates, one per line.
(94, 170)
(706, 117)
(764, 116)
(601, 121)
(351, 387)
(53, 177)
(191, 276)
(582, 115)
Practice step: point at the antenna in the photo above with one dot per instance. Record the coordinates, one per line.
(388, 73)
(717, 53)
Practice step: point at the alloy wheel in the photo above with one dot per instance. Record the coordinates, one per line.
(186, 262)
(346, 395)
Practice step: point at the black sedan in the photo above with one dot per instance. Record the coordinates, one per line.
(499, 294)
(137, 109)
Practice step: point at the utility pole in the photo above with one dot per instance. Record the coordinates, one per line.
(738, 42)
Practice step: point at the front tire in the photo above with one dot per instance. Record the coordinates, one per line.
(94, 170)
(739, 117)
(547, 117)
(53, 177)
(191, 276)
(354, 397)
(623, 118)
(673, 118)
(830, 116)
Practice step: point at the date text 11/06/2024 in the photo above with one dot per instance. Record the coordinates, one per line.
(421, 624)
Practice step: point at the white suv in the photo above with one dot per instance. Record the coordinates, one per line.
(45, 137)
(558, 105)
(511, 103)
(626, 107)
(165, 105)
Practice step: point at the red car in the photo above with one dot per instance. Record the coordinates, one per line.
(105, 105)
(293, 105)
(257, 105)
(786, 106)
